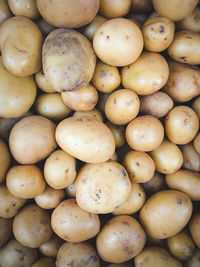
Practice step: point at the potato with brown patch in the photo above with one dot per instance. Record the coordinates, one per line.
(191, 22)
(118, 132)
(191, 158)
(42, 82)
(114, 8)
(6, 230)
(90, 29)
(5, 12)
(94, 113)
(44, 262)
(51, 247)
(156, 184)
(4, 160)
(194, 228)
(25, 8)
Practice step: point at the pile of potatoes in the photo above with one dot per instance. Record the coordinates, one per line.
(99, 133)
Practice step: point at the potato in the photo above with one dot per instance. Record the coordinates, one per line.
(191, 22)
(51, 247)
(185, 47)
(118, 42)
(118, 132)
(133, 203)
(194, 261)
(194, 229)
(4, 160)
(139, 165)
(15, 92)
(166, 213)
(101, 187)
(168, 158)
(122, 106)
(32, 226)
(45, 27)
(156, 256)
(68, 59)
(42, 82)
(82, 99)
(144, 6)
(157, 104)
(181, 246)
(157, 183)
(32, 139)
(60, 169)
(158, 33)
(44, 262)
(197, 143)
(174, 9)
(14, 254)
(147, 74)
(80, 254)
(114, 8)
(183, 83)
(114, 157)
(106, 78)
(121, 239)
(5, 12)
(191, 159)
(6, 230)
(90, 29)
(24, 8)
(181, 125)
(9, 204)
(69, 13)
(71, 191)
(196, 106)
(21, 46)
(102, 101)
(145, 133)
(119, 265)
(140, 18)
(156, 242)
(82, 138)
(94, 113)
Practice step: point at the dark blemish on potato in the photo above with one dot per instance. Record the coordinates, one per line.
(101, 33)
(139, 194)
(185, 122)
(7, 210)
(110, 170)
(123, 172)
(164, 234)
(66, 170)
(64, 52)
(99, 190)
(19, 250)
(127, 37)
(14, 205)
(126, 248)
(92, 259)
(22, 258)
(22, 185)
(179, 201)
(103, 74)
(183, 58)
(107, 37)
(79, 119)
(165, 170)
(162, 29)
(71, 264)
(152, 28)
(115, 101)
(137, 163)
(42, 222)
(165, 38)
(189, 37)
(125, 223)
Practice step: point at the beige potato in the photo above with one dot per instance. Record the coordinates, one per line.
(15, 254)
(68, 59)
(145, 133)
(191, 159)
(9, 204)
(185, 47)
(191, 22)
(144, 6)
(101, 187)
(118, 132)
(114, 157)
(60, 169)
(181, 125)
(4, 160)
(81, 254)
(194, 261)
(42, 82)
(156, 184)
(122, 106)
(196, 106)
(168, 158)
(158, 33)
(44, 26)
(21, 46)
(25, 8)
(197, 143)
(118, 42)
(106, 78)
(194, 229)
(147, 74)
(32, 139)
(114, 8)
(166, 213)
(44, 262)
(71, 191)
(32, 226)
(82, 138)
(139, 165)
(82, 99)
(90, 29)
(5, 12)
(6, 230)
(121, 239)
(94, 113)
(51, 247)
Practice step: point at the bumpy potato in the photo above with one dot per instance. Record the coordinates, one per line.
(90, 29)
(94, 113)
(191, 158)
(6, 230)
(194, 228)
(44, 262)
(4, 160)
(42, 82)
(157, 183)
(25, 8)
(51, 247)
(114, 8)
(191, 22)
(5, 12)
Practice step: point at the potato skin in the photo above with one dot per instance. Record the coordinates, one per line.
(191, 158)
(4, 160)
(194, 260)
(194, 228)
(5, 12)
(44, 262)
(42, 82)
(114, 9)
(6, 230)
(51, 247)
(90, 29)
(25, 8)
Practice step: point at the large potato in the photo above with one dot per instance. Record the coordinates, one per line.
(4, 160)
(82, 137)
(21, 46)
(166, 213)
(5, 12)
(194, 228)
(51, 247)
(114, 8)
(25, 8)
(191, 158)
(6, 230)
(68, 59)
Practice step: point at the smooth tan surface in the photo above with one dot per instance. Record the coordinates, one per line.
(44, 262)
(51, 247)
(191, 158)
(94, 113)
(118, 132)
(4, 160)
(42, 82)
(5, 11)
(114, 8)
(194, 229)
(191, 22)
(90, 29)
(25, 8)
(6, 230)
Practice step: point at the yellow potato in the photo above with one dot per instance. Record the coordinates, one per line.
(44, 262)
(51, 247)
(191, 22)
(42, 82)
(156, 184)
(196, 106)
(6, 230)
(194, 228)
(90, 29)
(71, 191)
(5, 12)
(44, 26)
(114, 8)
(4, 160)
(118, 132)
(94, 113)
(25, 8)
(197, 143)
(191, 158)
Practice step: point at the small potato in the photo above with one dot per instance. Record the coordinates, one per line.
(156, 184)
(6, 230)
(181, 125)
(133, 203)
(122, 106)
(9, 204)
(194, 229)
(185, 47)
(101, 187)
(82, 99)
(81, 254)
(50, 198)
(44, 262)
(60, 169)
(25, 181)
(32, 139)
(168, 158)
(147, 74)
(118, 132)
(158, 33)
(194, 261)
(25, 8)
(5, 12)
(90, 29)
(166, 213)
(140, 166)
(144, 6)
(145, 133)
(102, 101)
(118, 42)
(4, 160)
(51, 247)
(157, 104)
(94, 113)
(114, 8)
(191, 22)
(44, 26)
(14, 254)
(197, 143)
(181, 246)
(106, 78)
(71, 191)
(32, 226)
(42, 82)
(196, 106)
(121, 239)
(191, 159)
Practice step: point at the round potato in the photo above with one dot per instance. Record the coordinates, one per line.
(32, 226)
(114, 8)
(25, 8)
(32, 139)
(121, 239)
(156, 184)
(90, 29)
(194, 229)
(45, 27)
(44, 262)
(194, 261)
(21, 46)
(191, 22)
(71, 191)
(144, 6)
(42, 82)
(4, 160)
(68, 59)
(145, 133)
(101, 187)
(166, 213)
(147, 74)
(118, 42)
(181, 125)
(191, 158)
(196, 106)
(118, 133)
(5, 12)
(197, 143)
(51, 247)
(6, 230)
(94, 113)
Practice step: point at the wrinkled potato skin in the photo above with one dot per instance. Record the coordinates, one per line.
(44, 262)
(114, 8)
(42, 82)
(194, 229)
(94, 113)
(51, 247)
(191, 158)
(25, 8)
(4, 160)
(5, 12)
(157, 183)
(6, 230)
(191, 22)
(90, 29)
